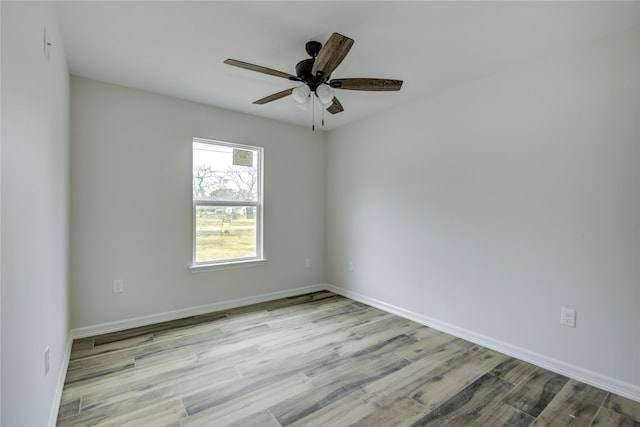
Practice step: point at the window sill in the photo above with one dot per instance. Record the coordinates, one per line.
(202, 268)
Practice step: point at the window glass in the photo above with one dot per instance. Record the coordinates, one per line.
(227, 191)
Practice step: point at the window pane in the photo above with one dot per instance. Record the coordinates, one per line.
(225, 232)
(223, 173)
(227, 197)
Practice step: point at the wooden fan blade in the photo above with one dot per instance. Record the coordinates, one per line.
(273, 97)
(331, 54)
(335, 106)
(260, 69)
(366, 84)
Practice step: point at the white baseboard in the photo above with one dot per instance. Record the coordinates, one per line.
(121, 325)
(586, 376)
(57, 398)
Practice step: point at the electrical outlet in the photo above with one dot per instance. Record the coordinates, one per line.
(350, 265)
(118, 286)
(46, 361)
(568, 317)
(307, 263)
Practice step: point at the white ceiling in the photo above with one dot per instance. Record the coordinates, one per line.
(177, 48)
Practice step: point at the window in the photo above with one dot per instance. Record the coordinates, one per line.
(227, 203)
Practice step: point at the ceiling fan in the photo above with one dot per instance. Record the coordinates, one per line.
(315, 74)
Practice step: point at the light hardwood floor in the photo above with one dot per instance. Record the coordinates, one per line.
(317, 360)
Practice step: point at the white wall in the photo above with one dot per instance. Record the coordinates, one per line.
(0, 218)
(489, 207)
(35, 212)
(131, 215)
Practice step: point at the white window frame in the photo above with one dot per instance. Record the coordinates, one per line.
(258, 259)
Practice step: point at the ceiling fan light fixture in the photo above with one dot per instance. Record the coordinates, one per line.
(325, 94)
(301, 94)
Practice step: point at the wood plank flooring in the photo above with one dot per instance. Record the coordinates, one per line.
(317, 360)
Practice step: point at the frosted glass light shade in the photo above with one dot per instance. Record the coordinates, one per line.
(301, 94)
(325, 94)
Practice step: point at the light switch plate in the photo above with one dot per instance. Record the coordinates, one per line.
(118, 286)
(568, 317)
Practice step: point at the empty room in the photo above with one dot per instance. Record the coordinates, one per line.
(320, 213)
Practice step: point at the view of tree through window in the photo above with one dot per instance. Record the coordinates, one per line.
(227, 187)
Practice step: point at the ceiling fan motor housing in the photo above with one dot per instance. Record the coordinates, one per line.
(303, 71)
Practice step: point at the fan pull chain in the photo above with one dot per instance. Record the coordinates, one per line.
(313, 114)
